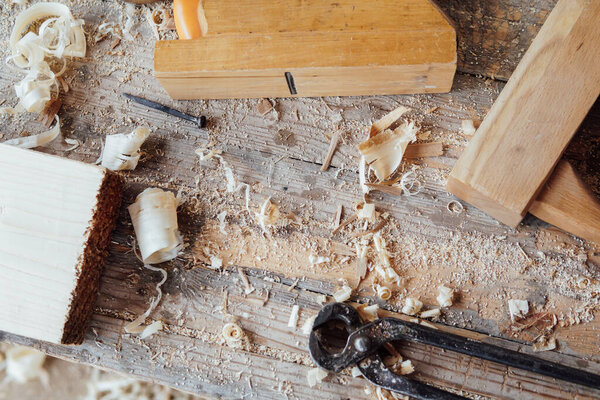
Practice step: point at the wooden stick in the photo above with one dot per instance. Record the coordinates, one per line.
(335, 139)
(56, 216)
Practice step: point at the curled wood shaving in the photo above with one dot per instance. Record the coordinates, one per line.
(122, 151)
(383, 152)
(383, 292)
(366, 211)
(455, 207)
(22, 364)
(468, 127)
(434, 312)
(233, 334)
(294, 315)
(445, 296)
(154, 217)
(412, 306)
(41, 139)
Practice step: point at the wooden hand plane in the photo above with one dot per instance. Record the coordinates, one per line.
(276, 48)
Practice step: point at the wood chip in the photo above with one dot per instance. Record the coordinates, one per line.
(387, 120)
(50, 111)
(393, 190)
(264, 106)
(115, 43)
(335, 139)
(375, 229)
(338, 216)
(348, 220)
(420, 150)
(63, 84)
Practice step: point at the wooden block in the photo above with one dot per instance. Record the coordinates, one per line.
(56, 219)
(327, 47)
(525, 133)
(568, 203)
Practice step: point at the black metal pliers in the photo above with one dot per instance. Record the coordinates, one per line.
(366, 340)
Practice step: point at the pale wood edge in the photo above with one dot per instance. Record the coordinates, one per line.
(483, 202)
(99, 233)
(345, 84)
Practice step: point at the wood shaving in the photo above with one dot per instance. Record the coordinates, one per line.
(247, 286)
(122, 151)
(383, 292)
(518, 309)
(421, 150)
(445, 296)
(468, 127)
(49, 113)
(154, 217)
(233, 334)
(293, 320)
(136, 325)
(368, 313)
(455, 207)
(433, 313)
(383, 153)
(308, 324)
(412, 306)
(264, 106)
(406, 367)
(335, 139)
(366, 211)
(387, 120)
(343, 294)
(544, 344)
(316, 376)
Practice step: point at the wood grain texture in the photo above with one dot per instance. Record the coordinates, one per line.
(280, 154)
(568, 203)
(55, 224)
(330, 48)
(534, 118)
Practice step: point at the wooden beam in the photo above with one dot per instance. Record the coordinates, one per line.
(56, 216)
(355, 49)
(568, 203)
(525, 133)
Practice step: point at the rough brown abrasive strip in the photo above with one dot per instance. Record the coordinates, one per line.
(94, 254)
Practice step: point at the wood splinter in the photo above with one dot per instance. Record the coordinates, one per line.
(49, 113)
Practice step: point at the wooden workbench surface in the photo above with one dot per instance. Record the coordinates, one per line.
(279, 155)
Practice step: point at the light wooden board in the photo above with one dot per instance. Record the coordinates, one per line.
(329, 48)
(280, 155)
(54, 228)
(525, 133)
